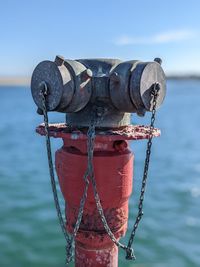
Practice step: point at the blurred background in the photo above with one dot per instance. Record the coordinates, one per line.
(32, 31)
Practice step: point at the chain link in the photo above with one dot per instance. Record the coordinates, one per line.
(69, 238)
(96, 117)
(140, 213)
(44, 94)
(91, 142)
(129, 250)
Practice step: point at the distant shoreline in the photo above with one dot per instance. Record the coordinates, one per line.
(15, 81)
(183, 77)
(25, 81)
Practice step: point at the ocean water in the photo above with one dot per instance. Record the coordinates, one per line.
(169, 233)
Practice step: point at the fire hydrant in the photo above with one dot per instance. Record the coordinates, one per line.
(95, 163)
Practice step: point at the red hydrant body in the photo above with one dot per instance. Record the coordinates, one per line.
(113, 167)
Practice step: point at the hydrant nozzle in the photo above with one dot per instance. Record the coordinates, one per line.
(121, 88)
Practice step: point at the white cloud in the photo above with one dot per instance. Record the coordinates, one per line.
(160, 38)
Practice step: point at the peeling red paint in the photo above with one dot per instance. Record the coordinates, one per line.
(96, 258)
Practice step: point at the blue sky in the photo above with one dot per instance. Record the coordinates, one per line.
(35, 30)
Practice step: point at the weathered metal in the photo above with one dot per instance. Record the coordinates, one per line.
(117, 88)
(95, 164)
(130, 132)
(107, 257)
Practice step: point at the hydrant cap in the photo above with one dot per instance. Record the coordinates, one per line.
(143, 78)
(59, 82)
(68, 85)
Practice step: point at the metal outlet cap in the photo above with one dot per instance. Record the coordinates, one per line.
(59, 82)
(143, 78)
(68, 82)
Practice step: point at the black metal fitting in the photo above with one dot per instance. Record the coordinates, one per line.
(130, 254)
(119, 88)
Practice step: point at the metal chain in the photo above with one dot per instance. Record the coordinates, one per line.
(91, 138)
(44, 94)
(154, 93)
(69, 238)
(90, 173)
(91, 142)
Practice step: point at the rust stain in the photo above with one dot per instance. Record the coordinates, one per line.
(130, 132)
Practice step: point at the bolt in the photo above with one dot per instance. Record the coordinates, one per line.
(158, 60)
(59, 60)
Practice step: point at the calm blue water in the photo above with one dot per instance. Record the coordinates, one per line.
(169, 234)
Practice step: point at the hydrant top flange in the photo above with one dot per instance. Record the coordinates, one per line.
(130, 132)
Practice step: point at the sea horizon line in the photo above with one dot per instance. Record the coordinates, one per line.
(26, 80)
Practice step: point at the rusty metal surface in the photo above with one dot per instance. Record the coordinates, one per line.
(130, 132)
(91, 221)
(107, 257)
